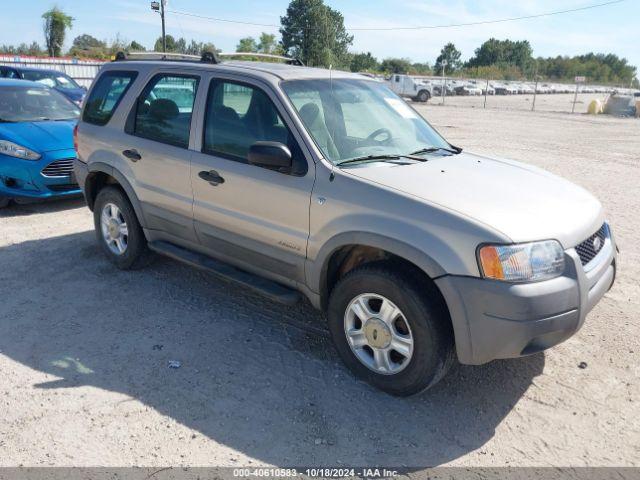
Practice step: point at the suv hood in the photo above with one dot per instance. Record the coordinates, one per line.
(523, 202)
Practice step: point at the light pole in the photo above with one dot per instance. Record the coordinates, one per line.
(159, 7)
(444, 82)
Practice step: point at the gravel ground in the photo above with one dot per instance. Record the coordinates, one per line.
(84, 348)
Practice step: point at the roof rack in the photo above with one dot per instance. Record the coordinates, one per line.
(206, 57)
(288, 60)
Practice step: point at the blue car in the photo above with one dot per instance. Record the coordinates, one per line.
(51, 78)
(36, 142)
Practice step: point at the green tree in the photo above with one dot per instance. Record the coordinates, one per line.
(363, 62)
(55, 26)
(452, 56)
(136, 47)
(421, 69)
(87, 42)
(87, 46)
(503, 52)
(269, 44)
(171, 44)
(315, 33)
(33, 50)
(395, 65)
(247, 44)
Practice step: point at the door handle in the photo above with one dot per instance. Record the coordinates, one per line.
(211, 176)
(132, 155)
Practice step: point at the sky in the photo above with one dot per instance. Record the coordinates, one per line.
(609, 29)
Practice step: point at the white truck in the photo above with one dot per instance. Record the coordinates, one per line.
(405, 86)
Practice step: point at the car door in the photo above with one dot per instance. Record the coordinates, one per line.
(156, 144)
(252, 216)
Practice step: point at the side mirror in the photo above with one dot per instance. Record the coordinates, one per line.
(272, 155)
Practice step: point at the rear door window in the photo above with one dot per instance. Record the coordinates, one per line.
(106, 95)
(163, 112)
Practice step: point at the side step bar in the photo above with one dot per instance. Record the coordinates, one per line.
(266, 287)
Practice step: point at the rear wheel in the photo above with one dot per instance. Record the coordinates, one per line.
(119, 233)
(391, 329)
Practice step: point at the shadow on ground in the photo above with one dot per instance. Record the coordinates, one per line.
(255, 376)
(41, 206)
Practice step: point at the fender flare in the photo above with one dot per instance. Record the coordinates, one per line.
(318, 268)
(121, 179)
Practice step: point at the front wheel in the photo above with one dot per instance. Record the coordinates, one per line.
(119, 233)
(391, 329)
(423, 96)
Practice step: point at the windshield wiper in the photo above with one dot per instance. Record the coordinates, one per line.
(375, 158)
(453, 150)
(2, 120)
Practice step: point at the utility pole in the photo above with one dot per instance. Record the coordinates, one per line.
(579, 80)
(486, 92)
(159, 7)
(444, 81)
(535, 89)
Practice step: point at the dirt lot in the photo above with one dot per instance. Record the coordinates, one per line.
(84, 348)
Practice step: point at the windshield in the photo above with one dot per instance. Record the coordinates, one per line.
(352, 118)
(50, 79)
(24, 104)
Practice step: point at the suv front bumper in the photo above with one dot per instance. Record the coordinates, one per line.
(493, 319)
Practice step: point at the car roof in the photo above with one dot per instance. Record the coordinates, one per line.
(33, 69)
(281, 71)
(16, 82)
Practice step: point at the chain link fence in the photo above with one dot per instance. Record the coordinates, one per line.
(512, 95)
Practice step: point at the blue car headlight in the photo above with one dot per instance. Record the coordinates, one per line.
(14, 150)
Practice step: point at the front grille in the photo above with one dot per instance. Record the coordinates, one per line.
(59, 168)
(588, 249)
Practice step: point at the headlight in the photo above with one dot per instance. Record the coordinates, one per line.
(15, 150)
(525, 262)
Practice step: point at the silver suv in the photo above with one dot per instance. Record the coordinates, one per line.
(294, 180)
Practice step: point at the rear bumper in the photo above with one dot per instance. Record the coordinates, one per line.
(24, 179)
(494, 320)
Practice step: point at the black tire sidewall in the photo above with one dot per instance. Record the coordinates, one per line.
(4, 201)
(423, 96)
(432, 342)
(136, 243)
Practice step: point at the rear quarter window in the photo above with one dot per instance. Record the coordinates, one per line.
(106, 95)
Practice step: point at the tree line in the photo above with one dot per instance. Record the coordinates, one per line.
(316, 34)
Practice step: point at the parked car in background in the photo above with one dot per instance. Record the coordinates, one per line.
(448, 90)
(36, 142)
(468, 89)
(505, 89)
(51, 78)
(406, 86)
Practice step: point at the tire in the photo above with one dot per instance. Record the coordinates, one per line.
(423, 96)
(4, 202)
(135, 254)
(422, 310)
